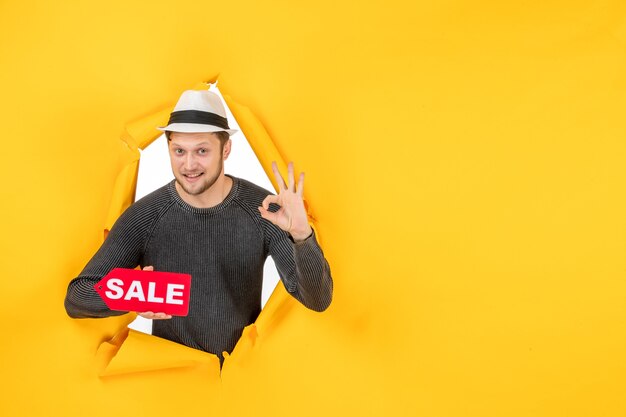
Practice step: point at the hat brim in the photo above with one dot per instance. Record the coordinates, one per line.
(195, 128)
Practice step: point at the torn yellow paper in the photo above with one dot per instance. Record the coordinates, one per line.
(465, 164)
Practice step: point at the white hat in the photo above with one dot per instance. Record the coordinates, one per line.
(198, 111)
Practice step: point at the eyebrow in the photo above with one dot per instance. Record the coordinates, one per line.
(196, 146)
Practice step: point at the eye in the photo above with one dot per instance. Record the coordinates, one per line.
(178, 151)
(203, 151)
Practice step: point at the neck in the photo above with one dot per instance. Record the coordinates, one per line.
(211, 197)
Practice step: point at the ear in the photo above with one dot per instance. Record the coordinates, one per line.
(226, 150)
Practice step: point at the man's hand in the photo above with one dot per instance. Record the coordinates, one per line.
(149, 314)
(291, 217)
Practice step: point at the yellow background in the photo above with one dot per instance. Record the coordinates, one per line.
(465, 167)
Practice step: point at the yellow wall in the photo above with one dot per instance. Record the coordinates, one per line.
(465, 166)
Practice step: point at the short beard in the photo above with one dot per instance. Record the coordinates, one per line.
(206, 184)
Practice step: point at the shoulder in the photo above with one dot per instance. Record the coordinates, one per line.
(249, 193)
(149, 207)
(250, 197)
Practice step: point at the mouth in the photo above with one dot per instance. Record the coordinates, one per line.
(193, 177)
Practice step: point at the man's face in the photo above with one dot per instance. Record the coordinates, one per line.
(197, 160)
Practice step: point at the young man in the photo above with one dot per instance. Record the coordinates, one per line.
(218, 228)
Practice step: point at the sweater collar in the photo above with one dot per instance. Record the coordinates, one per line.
(207, 210)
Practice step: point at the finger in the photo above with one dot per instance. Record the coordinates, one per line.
(290, 177)
(268, 215)
(148, 268)
(301, 184)
(279, 178)
(154, 316)
(270, 199)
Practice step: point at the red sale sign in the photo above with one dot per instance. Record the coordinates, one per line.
(134, 290)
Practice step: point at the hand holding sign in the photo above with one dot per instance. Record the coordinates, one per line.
(146, 291)
(149, 314)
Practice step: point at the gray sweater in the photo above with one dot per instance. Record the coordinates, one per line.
(223, 248)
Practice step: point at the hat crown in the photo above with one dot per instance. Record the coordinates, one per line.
(198, 111)
(204, 100)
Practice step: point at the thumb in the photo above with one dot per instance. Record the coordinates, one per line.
(268, 215)
(148, 268)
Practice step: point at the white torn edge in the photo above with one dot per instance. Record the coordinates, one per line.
(155, 171)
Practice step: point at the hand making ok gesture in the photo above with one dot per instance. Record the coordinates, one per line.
(291, 217)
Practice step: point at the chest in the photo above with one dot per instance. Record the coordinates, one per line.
(185, 242)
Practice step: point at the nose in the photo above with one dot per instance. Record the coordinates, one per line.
(189, 161)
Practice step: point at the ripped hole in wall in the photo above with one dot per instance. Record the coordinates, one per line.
(155, 171)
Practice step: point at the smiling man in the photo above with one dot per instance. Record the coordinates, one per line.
(216, 227)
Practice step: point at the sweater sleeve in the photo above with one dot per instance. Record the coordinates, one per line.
(303, 269)
(122, 248)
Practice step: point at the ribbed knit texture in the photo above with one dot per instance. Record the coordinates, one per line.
(222, 247)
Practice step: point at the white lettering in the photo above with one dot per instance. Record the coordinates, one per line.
(151, 297)
(135, 291)
(114, 284)
(172, 292)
